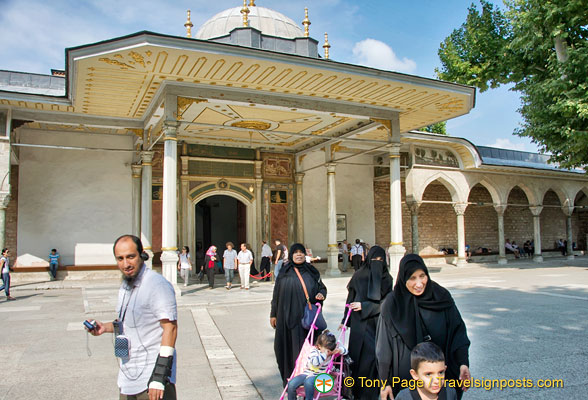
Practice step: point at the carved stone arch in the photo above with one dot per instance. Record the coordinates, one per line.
(446, 181)
(210, 189)
(491, 188)
(563, 197)
(532, 197)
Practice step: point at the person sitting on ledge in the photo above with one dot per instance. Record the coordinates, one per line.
(509, 247)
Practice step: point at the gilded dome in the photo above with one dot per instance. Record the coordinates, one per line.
(269, 22)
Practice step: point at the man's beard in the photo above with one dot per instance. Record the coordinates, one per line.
(131, 279)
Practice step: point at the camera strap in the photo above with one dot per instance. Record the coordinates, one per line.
(124, 313)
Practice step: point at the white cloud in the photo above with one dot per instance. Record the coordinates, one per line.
(377, 54)
(507, 144)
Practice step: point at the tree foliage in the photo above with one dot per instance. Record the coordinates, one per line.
(540, 46)
(439, 127)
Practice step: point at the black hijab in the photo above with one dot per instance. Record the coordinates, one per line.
(293, 308)
(404, 306)
(290, 264)
(379, 281)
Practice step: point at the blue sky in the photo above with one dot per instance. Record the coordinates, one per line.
(386, 34)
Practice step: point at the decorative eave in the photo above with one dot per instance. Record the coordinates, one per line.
(466, 150)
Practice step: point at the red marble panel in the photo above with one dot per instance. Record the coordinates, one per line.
(279, 223)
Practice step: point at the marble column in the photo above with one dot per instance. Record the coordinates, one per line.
(299, 209)
(332, 251)
(460, 209)
(414, 222)
(396, 249)
(169, 231)
(136, 168)
(185, 203)
(258, 192)
(500, 209)
(146, 213)
(536, 211)
(4, 200)
(568, 211)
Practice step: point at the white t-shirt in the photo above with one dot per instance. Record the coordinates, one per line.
(151, 299)
(6, 266)
(244, 257)
(185, 262)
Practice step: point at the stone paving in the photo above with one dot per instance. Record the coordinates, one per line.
(521, 319)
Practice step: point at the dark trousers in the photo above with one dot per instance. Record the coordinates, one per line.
(210, 276)
(53, 270)
(356, 261)
(168, 394)
(6, 283)
(264, 267)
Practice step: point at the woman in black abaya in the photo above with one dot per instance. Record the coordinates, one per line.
(419, 310)
(288, 304)
(366, 289)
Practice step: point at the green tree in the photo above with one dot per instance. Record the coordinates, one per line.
(439, 127)
(540, 46)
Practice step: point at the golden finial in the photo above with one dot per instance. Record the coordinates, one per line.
(188, 26)
(245, 11)
(326, 46)
(306, 22)
(251, 3)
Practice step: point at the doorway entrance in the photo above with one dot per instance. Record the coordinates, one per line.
(219, 219)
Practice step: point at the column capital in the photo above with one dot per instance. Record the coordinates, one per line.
(330, 168)
(500, 209)
(146, 157)
(299, 177)
(393, 149)
(4, 199)
(568, 210)
(136, 168)
(536, 210)
(414, 206)
(460, 208)
(170, 132)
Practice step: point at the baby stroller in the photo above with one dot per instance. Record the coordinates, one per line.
(335, 367)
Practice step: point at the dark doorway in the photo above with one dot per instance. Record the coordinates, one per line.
(219, 219)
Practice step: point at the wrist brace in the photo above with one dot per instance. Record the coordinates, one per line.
(163, 368)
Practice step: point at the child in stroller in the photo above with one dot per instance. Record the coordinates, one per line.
(318, 361)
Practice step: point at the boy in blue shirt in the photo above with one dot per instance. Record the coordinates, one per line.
(53, 263)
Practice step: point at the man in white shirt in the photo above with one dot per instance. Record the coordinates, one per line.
(357, 255)
(147, 317)
(266, 261)
(245, 260)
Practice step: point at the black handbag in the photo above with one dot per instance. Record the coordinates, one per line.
(310, 311)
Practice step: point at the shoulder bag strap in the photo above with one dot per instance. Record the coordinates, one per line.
(303, 287)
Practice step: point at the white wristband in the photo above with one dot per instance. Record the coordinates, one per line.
(166, 351)
(156, 385)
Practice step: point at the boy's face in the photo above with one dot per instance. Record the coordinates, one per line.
(432, 374)
(52, 251)
(230, 247)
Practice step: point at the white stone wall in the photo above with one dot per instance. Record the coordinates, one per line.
(75, 201)
(355, 198)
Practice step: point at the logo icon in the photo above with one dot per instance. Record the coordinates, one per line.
(324, 383)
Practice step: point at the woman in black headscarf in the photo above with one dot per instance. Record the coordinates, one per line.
(288, 304)
(367, 288)
(419, 310)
